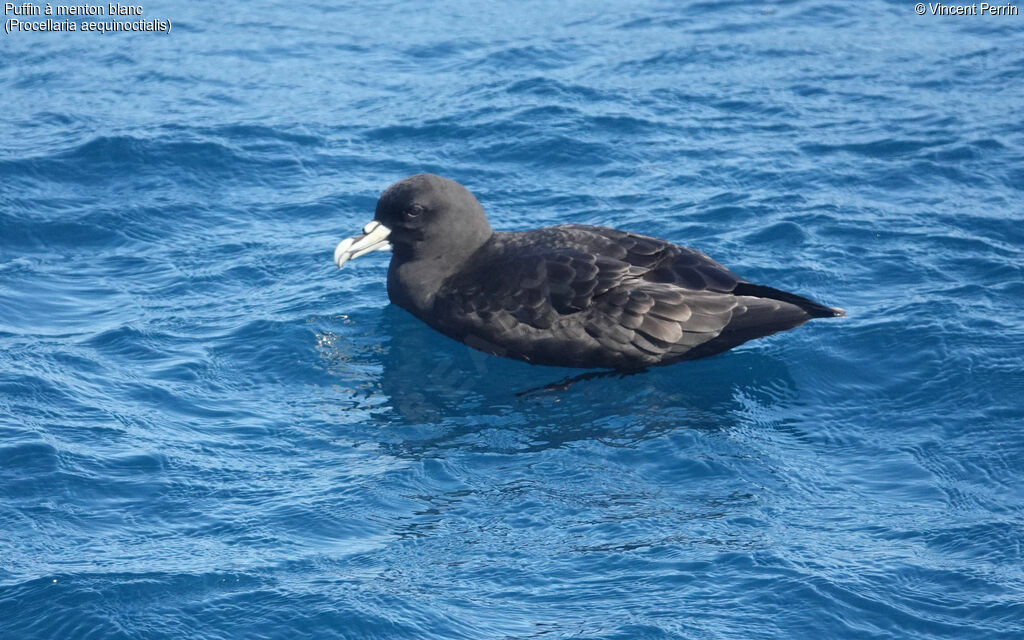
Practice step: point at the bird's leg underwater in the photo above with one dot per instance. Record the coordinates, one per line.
(562, 385)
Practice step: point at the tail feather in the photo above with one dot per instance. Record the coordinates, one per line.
(812, 308)
(764, 311)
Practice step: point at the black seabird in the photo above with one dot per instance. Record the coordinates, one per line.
(571, 295)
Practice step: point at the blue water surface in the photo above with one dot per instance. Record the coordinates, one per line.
(208, 431)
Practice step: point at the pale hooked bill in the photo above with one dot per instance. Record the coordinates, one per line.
(374, 238)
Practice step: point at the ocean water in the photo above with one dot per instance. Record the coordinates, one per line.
(208, 431)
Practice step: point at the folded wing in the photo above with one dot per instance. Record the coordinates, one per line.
(641, 299)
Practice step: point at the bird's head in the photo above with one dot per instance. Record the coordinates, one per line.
(422, 218)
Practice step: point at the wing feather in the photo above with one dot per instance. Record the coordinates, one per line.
(642, 298)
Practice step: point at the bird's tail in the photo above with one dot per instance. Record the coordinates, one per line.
(813, 309)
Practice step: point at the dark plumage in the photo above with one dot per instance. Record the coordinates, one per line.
(571, 295)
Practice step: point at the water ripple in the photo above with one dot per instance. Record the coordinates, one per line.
(207, 430)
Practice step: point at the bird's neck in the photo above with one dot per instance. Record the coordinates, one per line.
(415, 278)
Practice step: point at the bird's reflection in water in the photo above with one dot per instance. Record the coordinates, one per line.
(439, 394)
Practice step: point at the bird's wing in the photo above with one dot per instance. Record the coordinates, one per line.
(656, 260)
(632, 293)
(658, 319)
(645, 299)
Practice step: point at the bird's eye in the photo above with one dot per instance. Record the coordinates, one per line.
(414, 211)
